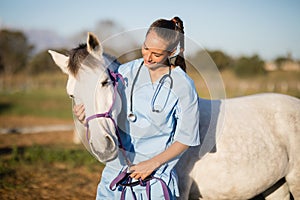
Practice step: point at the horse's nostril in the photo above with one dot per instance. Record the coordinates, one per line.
(110, 142)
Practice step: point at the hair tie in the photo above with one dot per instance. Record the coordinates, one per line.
(175, 21)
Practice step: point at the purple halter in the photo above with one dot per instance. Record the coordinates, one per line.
(115, 77)
(123, 179)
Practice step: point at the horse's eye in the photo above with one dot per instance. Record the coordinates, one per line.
(105, 82)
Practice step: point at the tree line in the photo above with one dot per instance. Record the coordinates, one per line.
(16, 57)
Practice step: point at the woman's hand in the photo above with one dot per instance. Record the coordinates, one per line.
(144, 169)
(79, 112)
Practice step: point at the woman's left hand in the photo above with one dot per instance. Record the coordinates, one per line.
(144, 169)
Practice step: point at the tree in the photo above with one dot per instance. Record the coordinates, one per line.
(222, 60)
(42, 62)
(249, 66)
(281, 60)
(14, 51)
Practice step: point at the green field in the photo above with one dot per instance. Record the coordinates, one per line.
(45, 95)
(52, 103)
(40, 96)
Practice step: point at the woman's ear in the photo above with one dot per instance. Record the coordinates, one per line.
(174, 54)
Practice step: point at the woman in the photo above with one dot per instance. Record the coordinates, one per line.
(162, 110)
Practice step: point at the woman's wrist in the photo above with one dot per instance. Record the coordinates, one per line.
(157, 162)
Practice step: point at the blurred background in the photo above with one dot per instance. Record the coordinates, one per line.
(255, 46)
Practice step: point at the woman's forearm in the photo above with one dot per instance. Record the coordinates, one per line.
(174, 150)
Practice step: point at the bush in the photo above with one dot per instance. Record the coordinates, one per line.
(41, 63)
(14, 52)
(249, 66)
(221, 60)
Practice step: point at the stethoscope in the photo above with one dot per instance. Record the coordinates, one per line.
(132, 116)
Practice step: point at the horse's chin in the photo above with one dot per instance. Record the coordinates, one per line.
(110, 151)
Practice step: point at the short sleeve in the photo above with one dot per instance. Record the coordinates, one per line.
(187, 115)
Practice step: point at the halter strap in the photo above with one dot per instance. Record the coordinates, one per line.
(115, 77)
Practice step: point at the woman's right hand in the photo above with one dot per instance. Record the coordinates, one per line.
(79, 112)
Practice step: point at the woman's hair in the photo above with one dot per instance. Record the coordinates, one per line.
(172, 31)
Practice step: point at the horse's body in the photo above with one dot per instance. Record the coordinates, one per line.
(248, 143)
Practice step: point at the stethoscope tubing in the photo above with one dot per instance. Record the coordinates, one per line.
(132, 116)
(157, 90)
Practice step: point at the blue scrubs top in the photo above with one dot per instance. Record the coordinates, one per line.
(153, 132)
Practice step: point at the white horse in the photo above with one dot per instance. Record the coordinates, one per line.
(248, 143)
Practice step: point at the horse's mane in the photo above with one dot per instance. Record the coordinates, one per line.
(76, 57)
(80, 53)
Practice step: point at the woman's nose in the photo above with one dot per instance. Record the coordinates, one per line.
(148, 57)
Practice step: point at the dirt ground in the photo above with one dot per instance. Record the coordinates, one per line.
(57, 181)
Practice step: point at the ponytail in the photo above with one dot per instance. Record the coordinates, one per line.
(180, 61)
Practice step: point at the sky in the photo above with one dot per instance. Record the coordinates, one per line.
(269, 28)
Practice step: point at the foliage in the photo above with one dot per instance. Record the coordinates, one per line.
(249, 66)
(42, 62)
(14, 51)
(222, 60)
(281, 60)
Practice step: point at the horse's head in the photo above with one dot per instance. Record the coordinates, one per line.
(90, 83)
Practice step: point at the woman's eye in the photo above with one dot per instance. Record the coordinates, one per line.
(145, 47)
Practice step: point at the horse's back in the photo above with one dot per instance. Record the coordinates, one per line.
(261, 115)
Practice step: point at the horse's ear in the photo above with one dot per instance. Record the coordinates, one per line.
(93, 45)
(60, 60)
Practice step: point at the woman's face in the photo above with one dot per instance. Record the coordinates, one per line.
(154, 51)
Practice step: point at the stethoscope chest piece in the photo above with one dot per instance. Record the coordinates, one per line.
(131, 117)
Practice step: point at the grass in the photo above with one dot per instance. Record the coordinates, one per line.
(38, 102)
(45, 95)
(45, 157)
(48, 172)
(73, 157)
(285, 82)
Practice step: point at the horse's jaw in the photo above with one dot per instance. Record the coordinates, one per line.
(101, 140)
(107, 126)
